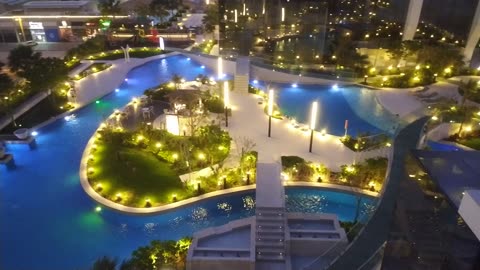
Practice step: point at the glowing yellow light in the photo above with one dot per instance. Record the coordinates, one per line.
(270, 102)
(283, 14)
(384, 79)
(221, 147)
(201, 156)
(468, 128)
(139, 137)
(98, 186)
(158, 145)
(98, 209)
(313, 115)
(220, 67)
(448, 70)
(175, 156)
(390, 67)
(417, 67)
(388, 144)
(350, 169)
(434, 118)
(90, 170)
(372, 70)
(416, 78)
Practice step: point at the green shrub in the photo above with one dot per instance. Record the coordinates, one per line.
(291, 161)
(214, 105)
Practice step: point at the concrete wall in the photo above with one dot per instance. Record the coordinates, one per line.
(315, 246)
(469, 209)
(221, 264)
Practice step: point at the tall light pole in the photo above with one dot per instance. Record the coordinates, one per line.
(226, 100)
(313, 122)
(220, 67)
(270, 111)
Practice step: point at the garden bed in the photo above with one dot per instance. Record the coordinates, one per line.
(43, 111)
(134, 53)
(142, 168)
(92, 69)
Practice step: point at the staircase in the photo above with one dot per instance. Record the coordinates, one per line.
(270, 234)
(242, 71)
(240, 83)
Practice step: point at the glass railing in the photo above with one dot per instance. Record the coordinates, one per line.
(325, 260)
(375, 260)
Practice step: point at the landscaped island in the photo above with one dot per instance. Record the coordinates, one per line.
(138, 154)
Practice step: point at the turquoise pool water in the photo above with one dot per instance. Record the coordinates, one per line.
(336, 104)
(48, 222)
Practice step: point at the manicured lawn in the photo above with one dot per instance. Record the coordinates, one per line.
(133, 54)
(136, 175)
(472, 143)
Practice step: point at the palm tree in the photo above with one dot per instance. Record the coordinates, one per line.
(466, 89)
(104, 263)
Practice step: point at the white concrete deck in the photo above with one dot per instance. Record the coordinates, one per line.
(249, 120)
(398, 101)
(99, 84)
(269, 191)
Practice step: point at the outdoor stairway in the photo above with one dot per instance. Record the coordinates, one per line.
(240, 83)
(270, 234)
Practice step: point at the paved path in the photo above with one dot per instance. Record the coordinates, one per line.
(249, 121)
(376, 231)
(102, 83)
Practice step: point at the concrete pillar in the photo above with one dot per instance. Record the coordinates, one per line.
(413, 16)
(473, 37)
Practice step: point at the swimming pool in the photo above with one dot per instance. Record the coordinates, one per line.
(48, 222)
(357, 105)
(438, 146)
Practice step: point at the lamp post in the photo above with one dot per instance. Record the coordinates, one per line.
(313, 122)
(161, 43)
(220, 67)
(226, 100)
(270, 111)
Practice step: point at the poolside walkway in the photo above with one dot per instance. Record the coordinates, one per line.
(248, 120)
(100, 84)
(376, 231)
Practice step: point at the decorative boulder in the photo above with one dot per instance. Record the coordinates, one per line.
(22, 133)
